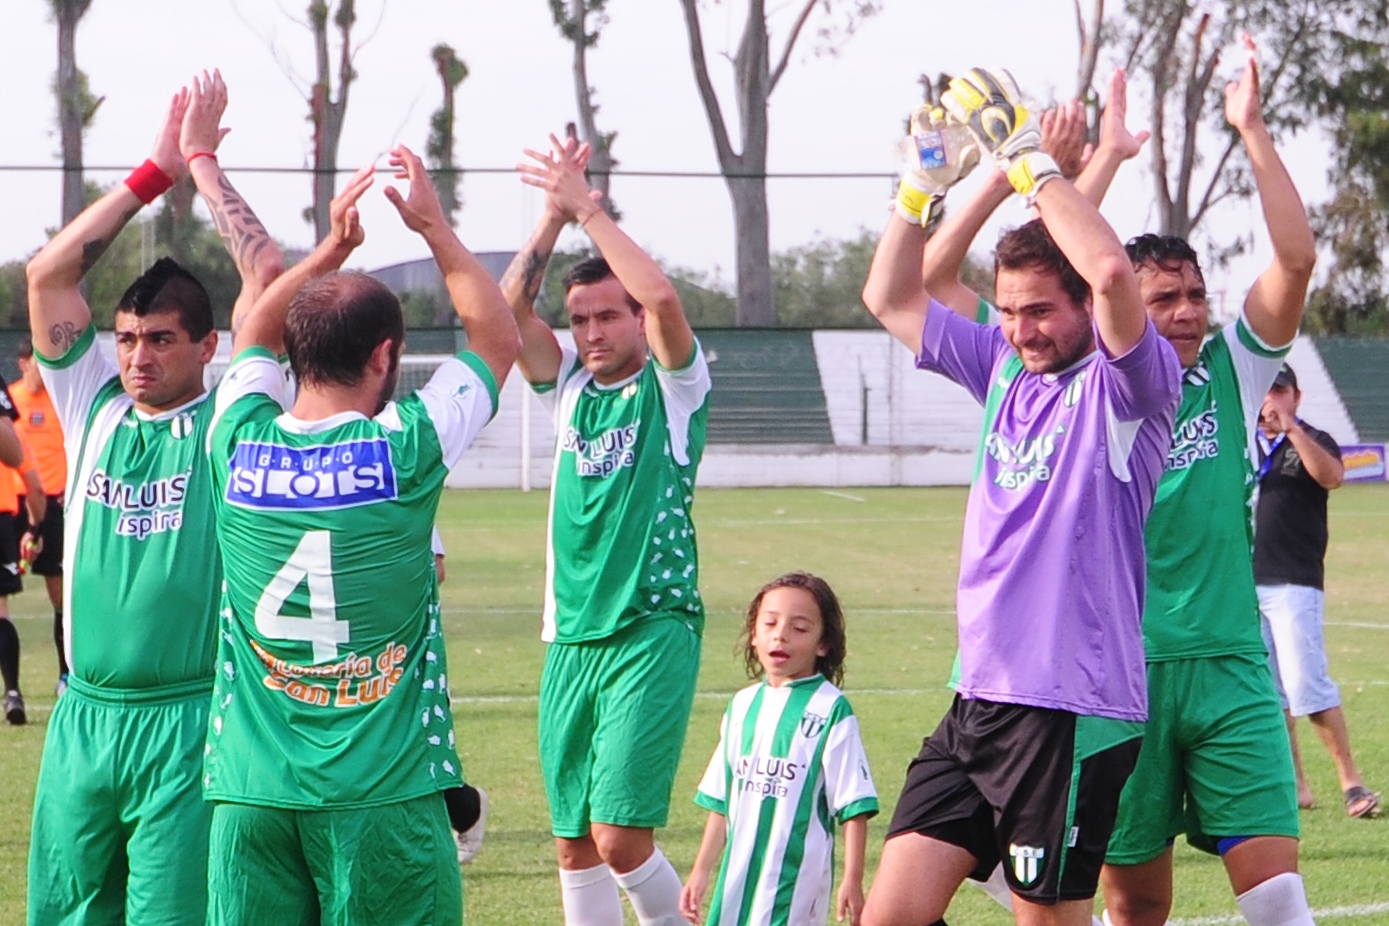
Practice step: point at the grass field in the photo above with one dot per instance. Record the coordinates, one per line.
(892, 555)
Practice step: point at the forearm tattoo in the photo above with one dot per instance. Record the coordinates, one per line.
(526, 273)
(242, 233)
(92, 250)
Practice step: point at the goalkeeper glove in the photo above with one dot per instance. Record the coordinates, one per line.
(990, 103)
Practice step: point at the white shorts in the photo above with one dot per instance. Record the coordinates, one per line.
(1292, 619)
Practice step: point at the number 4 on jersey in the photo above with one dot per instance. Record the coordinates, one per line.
(312, 559)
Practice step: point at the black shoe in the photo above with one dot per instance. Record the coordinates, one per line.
(14, 708)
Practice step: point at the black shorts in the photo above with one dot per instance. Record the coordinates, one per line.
(997, 781)
(49, 562)
(10, 582)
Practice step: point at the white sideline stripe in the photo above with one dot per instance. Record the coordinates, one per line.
(1361, 624)
(852, 498)
(1327, 913)
(699, 695)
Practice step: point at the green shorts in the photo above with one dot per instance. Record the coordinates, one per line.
(373, 866)
(613, 714)
(1215, 761)
(120, 825)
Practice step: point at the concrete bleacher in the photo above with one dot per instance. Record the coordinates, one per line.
(844, 408)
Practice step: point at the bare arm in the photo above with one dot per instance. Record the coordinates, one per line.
(851, 885)
(1275, 303)
(1116, 146)
(57, 312)
(479, 303)
(11, 447)
(540, 354)
(263, 324)
(561, 175)
(710, 851)
(34, 498)
(1094, 250)
(947, 249)
(1321, 464)
(893, 292)
(258, 261)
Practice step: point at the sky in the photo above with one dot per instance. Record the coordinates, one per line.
(831, 112)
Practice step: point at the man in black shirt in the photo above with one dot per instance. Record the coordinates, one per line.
(1299, 467)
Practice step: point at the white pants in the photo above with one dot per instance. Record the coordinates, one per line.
(1292, 626)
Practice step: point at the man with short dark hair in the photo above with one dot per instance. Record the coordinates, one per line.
(1215, 763)
(331, 736)
(1078, 392)
(623, 615)
(120, 826)
(1299, 467)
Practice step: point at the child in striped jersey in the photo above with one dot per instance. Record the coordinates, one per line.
(789, 766)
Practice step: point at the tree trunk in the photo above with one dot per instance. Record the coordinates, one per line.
(756, 306)
(70, 107)
(328, 114)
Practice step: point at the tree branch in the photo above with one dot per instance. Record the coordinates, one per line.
(791, 43)
(729, 161)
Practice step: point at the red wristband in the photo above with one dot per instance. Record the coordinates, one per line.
(148, 181)
(202, 154)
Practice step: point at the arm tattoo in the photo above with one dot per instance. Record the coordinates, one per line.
(526, 274)
(62, 336)
(242, 233)
(92, 250)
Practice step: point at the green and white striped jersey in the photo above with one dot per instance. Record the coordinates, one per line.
(789, 766)
(621, 537)
(332, 689)
(139, 550)
(1200, 532)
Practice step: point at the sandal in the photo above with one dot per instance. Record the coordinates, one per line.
(1362, 802)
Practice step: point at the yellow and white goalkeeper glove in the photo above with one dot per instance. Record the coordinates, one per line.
(990, 103)
(935, 156)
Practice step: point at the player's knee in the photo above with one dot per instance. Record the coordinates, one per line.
(577, 854)
(623, 849)
(1136, 908)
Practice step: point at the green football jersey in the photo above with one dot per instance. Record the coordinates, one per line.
(1200, 533)
(139, 551)
(621, 537)
(332, 690)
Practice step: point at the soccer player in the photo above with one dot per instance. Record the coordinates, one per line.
(331, 735)
(120, 825)
(1215, 761)
(21, 472)
(622, 614)
(1079, 393)
(38, 422)
(1300, 466)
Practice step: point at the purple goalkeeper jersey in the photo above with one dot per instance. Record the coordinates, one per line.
(1050, 601)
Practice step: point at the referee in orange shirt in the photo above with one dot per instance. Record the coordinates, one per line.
(38, 425)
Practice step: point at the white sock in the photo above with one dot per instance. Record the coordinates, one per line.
(590, 897)
(997, 888)
(1279, 901)
(653, 887)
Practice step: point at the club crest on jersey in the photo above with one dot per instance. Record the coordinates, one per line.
(181, 425)
(811, 725)
(1027, 863)
(340, 475)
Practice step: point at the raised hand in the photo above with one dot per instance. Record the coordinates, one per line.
(419, 209)
(1063, 137)
(166, 154)
(561, 175)
(201, 129)
(346, 230)
(1114, 132)
(1244, 108)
